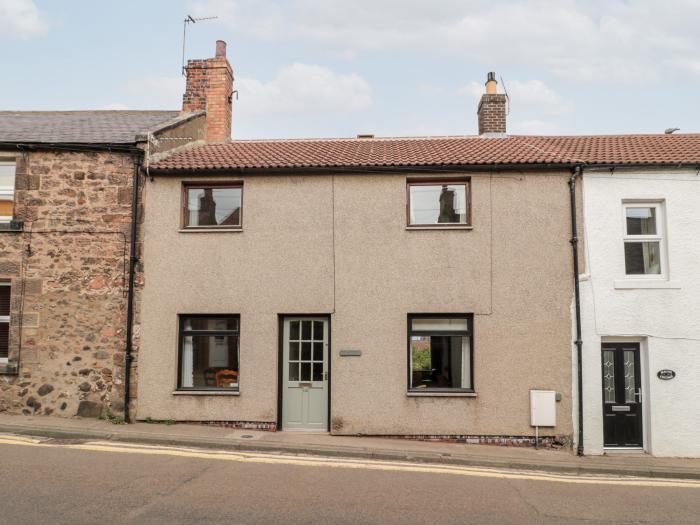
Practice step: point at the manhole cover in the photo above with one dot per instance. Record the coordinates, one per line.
(247, 436)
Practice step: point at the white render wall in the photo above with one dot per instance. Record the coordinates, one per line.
(665, 319)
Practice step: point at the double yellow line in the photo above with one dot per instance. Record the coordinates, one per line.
(310, 461)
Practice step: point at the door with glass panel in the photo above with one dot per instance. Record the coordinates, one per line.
(622, 395)
(305, 374)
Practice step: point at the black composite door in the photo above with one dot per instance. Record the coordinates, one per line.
(622, 395)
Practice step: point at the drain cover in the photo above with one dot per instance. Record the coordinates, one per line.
(247, 436)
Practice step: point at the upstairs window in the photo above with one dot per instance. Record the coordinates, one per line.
(438, 203)
(209, 357)
(4, 320)
(643, 240)
(213, 206)
(440, 353)
(7, 189)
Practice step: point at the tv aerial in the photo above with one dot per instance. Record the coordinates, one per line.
(189, 19)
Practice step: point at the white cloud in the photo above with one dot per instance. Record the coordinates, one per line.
(21, 19)
(534, 127)
(304, 88)
(534, 95)
(526, 97)
(592, 40)
(156, 91)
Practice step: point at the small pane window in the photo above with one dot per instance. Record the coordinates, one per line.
(209, 353)
(644, 243)
(438, 203)
(306, 350)
(7, 190)
(213, 206)
(4, 320)
(440, 355)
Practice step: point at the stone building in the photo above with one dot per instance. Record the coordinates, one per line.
(66, 214)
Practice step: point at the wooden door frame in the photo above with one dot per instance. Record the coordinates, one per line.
(618, 344)
(280, 363)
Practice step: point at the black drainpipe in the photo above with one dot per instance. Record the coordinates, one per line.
(577, 172)
(133, 259)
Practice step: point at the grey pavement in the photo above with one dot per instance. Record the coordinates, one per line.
(522, 458)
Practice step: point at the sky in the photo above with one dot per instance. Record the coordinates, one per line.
(336, 68)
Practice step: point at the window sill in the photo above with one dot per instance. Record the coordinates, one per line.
(8, 369)
(11, 226)
(442, 228)
(210, 230)
(412, 393)
(634, 284)
(206, 393)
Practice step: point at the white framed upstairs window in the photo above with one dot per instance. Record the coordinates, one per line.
(644, 242)
(7, 189)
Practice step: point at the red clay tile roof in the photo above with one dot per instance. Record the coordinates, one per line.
(438, 151)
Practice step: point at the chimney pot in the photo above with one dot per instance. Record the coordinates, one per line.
(220, 48)
(491, 83)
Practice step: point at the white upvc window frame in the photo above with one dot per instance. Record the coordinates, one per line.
(7, 192)
(5, 319)
(659, 237)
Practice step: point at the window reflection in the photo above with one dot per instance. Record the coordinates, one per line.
(214, 206)
(438, 204)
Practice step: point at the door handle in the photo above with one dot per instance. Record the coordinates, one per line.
(638, 395)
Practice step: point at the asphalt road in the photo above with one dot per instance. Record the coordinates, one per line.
(117, 483)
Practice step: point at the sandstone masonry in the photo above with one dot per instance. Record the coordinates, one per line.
(68, 273)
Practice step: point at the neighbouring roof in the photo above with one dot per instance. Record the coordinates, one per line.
(364, 153)
(79, 127)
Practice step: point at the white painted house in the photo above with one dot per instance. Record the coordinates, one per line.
(640, 304)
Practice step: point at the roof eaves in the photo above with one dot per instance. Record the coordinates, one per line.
(431, 168)
(127, 147)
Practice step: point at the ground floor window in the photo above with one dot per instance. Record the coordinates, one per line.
(7, 189)
(209, 358)
(440, 352)
(4, 320)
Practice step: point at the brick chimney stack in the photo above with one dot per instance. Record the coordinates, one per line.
(492, 110)
(210, 88)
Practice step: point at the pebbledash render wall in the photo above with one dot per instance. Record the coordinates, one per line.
(339, 245)
(67, 270)
(660, 314)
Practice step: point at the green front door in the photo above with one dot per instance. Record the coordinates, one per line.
(305, 374)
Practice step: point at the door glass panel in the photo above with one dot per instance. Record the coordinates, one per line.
(629, 377)
(305, 371)
(318, 351)
(306, 330)
(306, 351)
(294, 330)
(318, 371)
(318, 330)
(294, 371)
(293, 351)
(609, 376)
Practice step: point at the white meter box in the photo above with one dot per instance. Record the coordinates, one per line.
(543, 411)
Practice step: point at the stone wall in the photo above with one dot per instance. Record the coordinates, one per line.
(68, 269)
